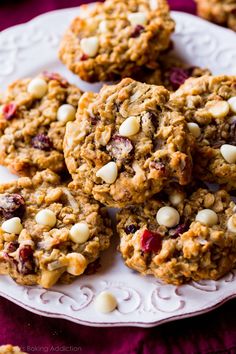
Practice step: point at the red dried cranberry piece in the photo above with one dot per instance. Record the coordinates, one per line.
(180, 229)
(151, 241)
(131, 229)
(177, 76)
(137, 31)
(57, 77)
(25, 253)
(12, 205)
(26, 263)
(42, 142)
(120, 148)
(84, 57)
(8, 110)
(12, 246)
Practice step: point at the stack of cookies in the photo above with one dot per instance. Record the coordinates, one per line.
(146, 149)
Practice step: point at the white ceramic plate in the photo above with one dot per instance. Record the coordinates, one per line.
(143, 301)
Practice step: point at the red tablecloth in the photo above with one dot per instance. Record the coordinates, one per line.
(211, 333)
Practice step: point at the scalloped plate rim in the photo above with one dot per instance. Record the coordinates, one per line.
(119, 324)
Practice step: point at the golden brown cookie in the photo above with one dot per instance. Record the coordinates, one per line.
(115, 38)
(179, 237)
(209, 106)
(49, 231)
(125, 145)
(33, 115)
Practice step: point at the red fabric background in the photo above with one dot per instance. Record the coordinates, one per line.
(210, 333)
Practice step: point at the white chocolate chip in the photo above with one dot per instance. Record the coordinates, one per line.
(232, 104)
(176, 198)
(167, 216)
(46, 217)
(207, 217)
(89, 46)
(105, 302)
(79, 232)
(130, 126)
(153, 4)
(137, 18)
(194, 129)
(76, 263)
(37, 87)
(231, 224)
(228, 152)
(108, 172)
(103, 26)
(12, 226)
(219, 109)
(66, 113)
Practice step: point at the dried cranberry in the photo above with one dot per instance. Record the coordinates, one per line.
(9, 110)
(57, 77)
(26, 253)
(42, 142)
(177, 76)
(11, 247)
(120, 148)
(84, 57)
(26, 263)
(180, 229)
(137, 31)
(131, 229)
(12, 205)
(151, 241)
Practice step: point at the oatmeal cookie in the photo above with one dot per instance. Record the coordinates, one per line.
(124, 146)
(33, 115)
(209, 106)
(172, 72)
(179, 237)
(10, 349)
(221, 12)
(49, 231)
(116, 38)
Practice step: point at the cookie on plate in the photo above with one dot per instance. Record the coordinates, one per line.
(49, 230)
(172, 72)
(221, 12)
(209, 106)
(33, 115)
(179, 237)
(116, 38)
(125, 146)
